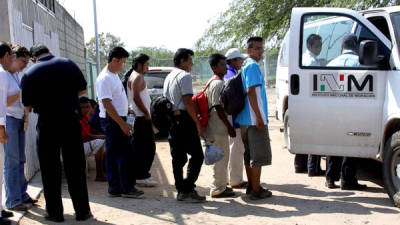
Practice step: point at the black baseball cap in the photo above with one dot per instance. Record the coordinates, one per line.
(38, 49)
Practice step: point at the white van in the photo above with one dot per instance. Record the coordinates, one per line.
(342, 110)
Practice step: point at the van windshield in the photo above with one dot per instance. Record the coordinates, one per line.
(396, 26)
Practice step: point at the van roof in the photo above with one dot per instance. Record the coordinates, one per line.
(384, 9)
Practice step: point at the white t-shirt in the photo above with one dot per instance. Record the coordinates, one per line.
(109, 86)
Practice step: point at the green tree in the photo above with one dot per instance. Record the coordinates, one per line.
(266, 18)
(107, 42)
(159, 56)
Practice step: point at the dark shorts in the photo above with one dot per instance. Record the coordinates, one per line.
(257, 148)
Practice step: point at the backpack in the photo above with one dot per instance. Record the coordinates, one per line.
(161, 111)
(233, 96)
(200, 103)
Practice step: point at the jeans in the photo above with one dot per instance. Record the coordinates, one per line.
(64, 136)
(119, 158)
(145, 147)
(184, 140)
(14, 160)
(343, 168)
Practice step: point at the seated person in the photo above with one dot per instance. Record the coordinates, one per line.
(93, 144)
(349, 56)
(314, 46)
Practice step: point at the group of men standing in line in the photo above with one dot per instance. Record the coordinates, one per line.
(52, 87)
(252, 146)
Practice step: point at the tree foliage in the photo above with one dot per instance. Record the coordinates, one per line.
(107, 42)
(266, 18)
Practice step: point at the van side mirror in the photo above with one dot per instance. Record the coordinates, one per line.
(369, 52)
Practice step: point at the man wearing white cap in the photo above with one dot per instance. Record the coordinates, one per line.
(235, 179)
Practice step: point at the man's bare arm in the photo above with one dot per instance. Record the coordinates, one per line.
(222, 116)
(13, 98)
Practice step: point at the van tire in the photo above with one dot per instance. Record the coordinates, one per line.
(286, 128)
(391, 168)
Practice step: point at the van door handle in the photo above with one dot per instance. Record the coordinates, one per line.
(294, 84)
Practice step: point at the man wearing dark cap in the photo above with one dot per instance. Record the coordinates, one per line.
(52, 88)
(344, 168)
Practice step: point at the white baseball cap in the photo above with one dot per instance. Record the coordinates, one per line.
(234, 53)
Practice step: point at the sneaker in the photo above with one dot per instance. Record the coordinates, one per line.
(354, 187)
(114, 195)
(228, 192)
(31, 201)
(191, 197)
(330, 184)
(20, 207)
(249, 189)
(260, 194)
(135, 193)
(84, 217)
(56, 219)
(146, 182)
(6, 214)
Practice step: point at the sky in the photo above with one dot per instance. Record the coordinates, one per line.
(171, 24)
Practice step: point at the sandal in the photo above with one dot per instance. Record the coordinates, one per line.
(241, 185)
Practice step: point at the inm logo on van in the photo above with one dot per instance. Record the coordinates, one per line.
(343, 85)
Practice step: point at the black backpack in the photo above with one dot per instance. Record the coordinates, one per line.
(161, 111)
(233, 96)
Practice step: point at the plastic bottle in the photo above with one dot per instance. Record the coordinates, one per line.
(130, 119)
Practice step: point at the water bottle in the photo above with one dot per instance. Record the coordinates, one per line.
(130, 119)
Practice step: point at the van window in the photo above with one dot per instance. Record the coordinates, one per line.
(330, 42)
(381, 24)
(396, 26)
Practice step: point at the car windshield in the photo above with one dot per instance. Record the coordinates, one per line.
(396, 26)
(155, 79)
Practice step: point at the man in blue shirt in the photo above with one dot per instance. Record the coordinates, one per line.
(253, 120)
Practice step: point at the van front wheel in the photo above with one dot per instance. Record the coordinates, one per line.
(391, 168)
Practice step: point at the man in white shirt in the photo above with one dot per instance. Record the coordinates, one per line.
(5, 63)
(113, 112)
(314, 45)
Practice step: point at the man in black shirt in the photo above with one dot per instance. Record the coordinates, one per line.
(52, 88)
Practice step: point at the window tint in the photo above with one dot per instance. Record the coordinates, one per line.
(381, 24)
(332, 41)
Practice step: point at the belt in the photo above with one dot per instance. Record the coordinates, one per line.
(178, 112)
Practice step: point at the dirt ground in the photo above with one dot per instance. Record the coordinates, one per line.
(297, 198)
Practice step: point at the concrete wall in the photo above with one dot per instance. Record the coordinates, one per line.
(4, 21)
(70, 33)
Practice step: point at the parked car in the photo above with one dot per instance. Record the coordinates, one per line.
(155, 80)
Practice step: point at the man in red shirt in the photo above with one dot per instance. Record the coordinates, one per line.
(93, 144)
